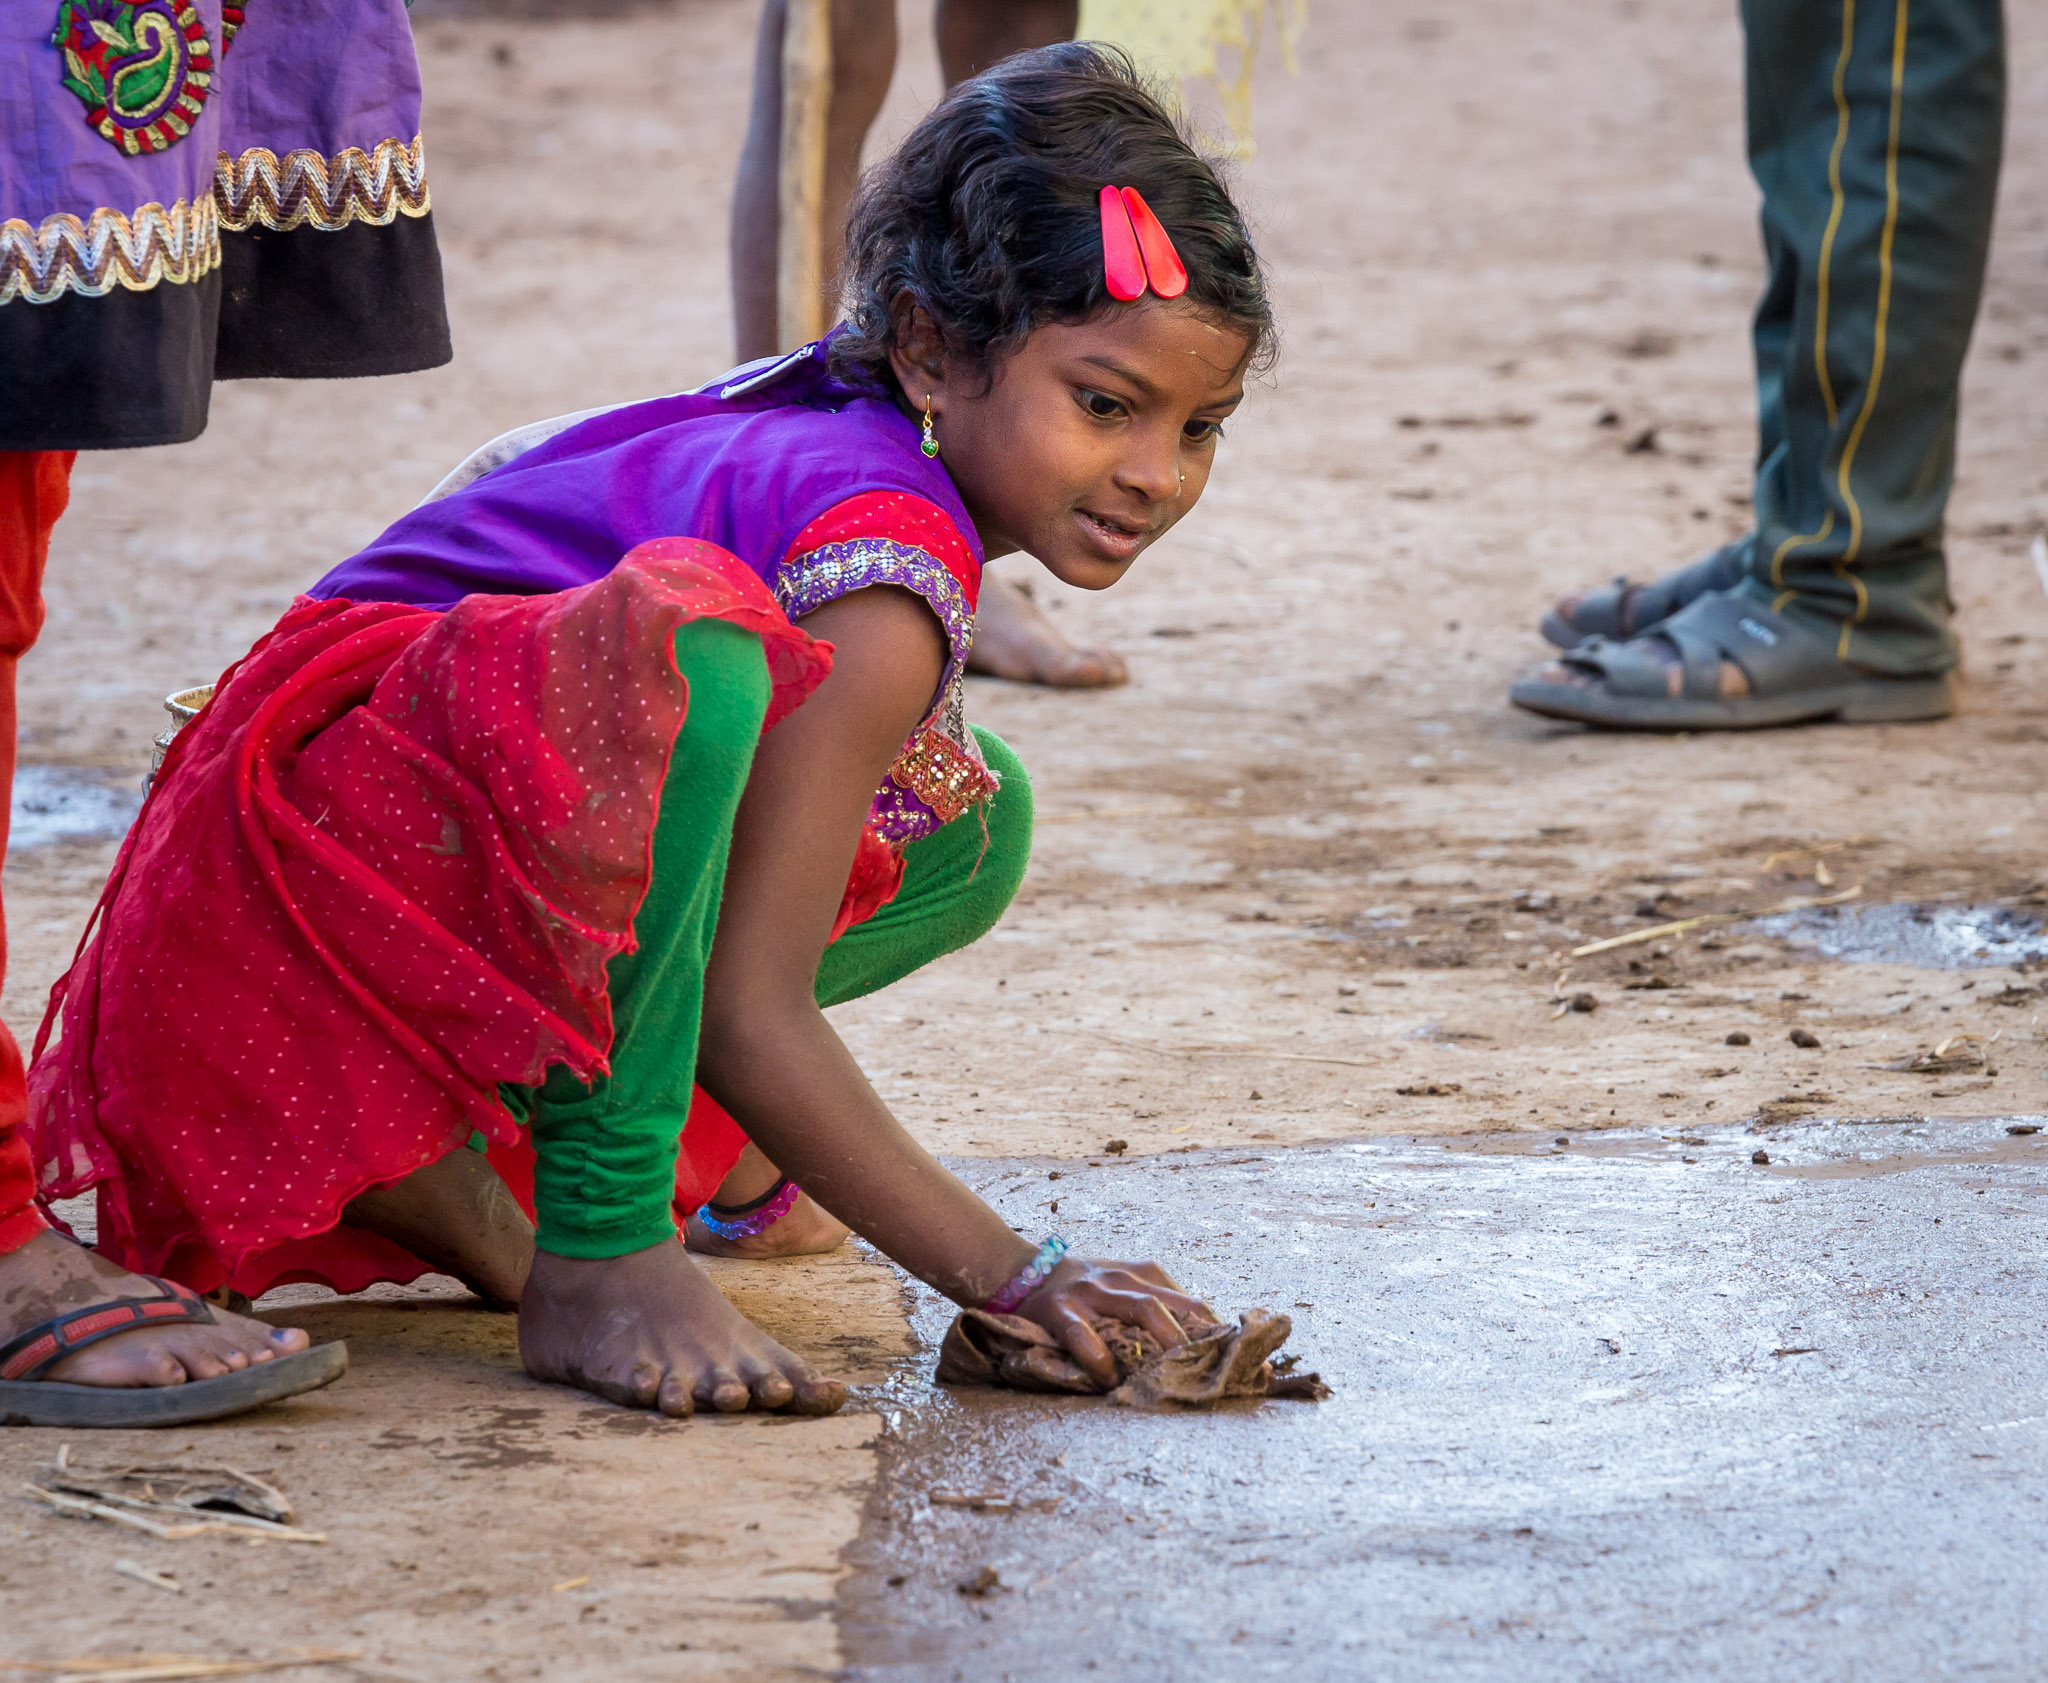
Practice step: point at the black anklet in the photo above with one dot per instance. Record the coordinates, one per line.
(727, 1212)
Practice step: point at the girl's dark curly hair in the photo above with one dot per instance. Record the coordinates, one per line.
(988, 216)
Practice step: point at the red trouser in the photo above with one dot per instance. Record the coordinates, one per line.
(34, 487)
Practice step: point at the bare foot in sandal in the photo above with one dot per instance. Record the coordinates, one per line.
(1623, 610)
(1727, 661)
(457, 1214)
(1013, 639)
(1731, 681)
(650, 1330)
(52, 1275)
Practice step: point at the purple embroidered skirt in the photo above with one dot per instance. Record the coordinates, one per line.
(193, 190)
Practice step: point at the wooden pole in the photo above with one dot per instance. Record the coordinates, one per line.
(800, 191)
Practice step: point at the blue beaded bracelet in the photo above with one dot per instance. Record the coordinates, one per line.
(1029, 1278)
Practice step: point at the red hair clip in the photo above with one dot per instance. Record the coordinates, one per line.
(1136, 252)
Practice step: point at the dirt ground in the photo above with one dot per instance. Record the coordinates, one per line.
(1308, 878)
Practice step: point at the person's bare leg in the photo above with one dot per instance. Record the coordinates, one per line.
(52, 1274)
(457, 1214)
(863, 61)
(754, 210)
(807, 1229)
(974, 34)
(650, 1330)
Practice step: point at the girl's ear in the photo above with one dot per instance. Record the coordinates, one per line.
(918, 355)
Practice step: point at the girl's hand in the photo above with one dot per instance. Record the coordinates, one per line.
(1080, 1292)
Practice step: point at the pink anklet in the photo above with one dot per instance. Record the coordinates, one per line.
(1029, 1278)
(743, 1221)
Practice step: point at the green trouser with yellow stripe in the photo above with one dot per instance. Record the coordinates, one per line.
(605, 1152)
(1875, 129)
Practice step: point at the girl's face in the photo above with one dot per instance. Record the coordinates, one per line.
(1093, 439)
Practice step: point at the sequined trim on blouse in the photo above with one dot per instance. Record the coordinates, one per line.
(838, 569)
(940, 773)
(308, 186)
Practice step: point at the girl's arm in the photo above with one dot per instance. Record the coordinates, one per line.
(769, 1056)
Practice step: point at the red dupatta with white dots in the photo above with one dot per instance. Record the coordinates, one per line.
(380, 874)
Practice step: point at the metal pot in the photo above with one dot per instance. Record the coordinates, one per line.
(183, 707)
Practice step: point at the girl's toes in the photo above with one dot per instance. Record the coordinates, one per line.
(772, 1390)
(675, 1398)
(721, 1389)
(815, 1395)
(636, 1388)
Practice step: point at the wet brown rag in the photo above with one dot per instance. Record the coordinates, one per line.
(1216, 1364)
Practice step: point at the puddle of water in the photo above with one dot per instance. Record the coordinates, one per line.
(70, 803)
(1933, 937)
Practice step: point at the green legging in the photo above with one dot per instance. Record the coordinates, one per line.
(1875, 130)
(605, 1153)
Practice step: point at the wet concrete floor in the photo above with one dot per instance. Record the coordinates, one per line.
(1934, 937)
(70, 803)
(1638, 1409)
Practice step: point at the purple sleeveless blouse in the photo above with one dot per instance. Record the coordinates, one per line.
(746, 464)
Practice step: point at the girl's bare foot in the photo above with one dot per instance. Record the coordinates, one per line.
(457, 1214)
(809, 1229)
(1013, 639)
(650, 1330)
(52, 1274)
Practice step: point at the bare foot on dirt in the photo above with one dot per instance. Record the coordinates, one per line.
(457, 1214)
(809, 1229)
(650, 1330)
(52, 1274)
(1013, 639)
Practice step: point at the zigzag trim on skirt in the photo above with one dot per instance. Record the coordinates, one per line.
(308, 186)
(106, 250)
(111, 248)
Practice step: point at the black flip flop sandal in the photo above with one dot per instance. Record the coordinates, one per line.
(1625, 610)
(1794, 678)
(27, 1399)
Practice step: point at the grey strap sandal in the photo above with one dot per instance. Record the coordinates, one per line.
(1794, 677)
(1625, 610)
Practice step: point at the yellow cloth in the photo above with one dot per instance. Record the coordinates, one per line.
(1182, 39)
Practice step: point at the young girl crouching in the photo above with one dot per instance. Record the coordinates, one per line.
(510, 873)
